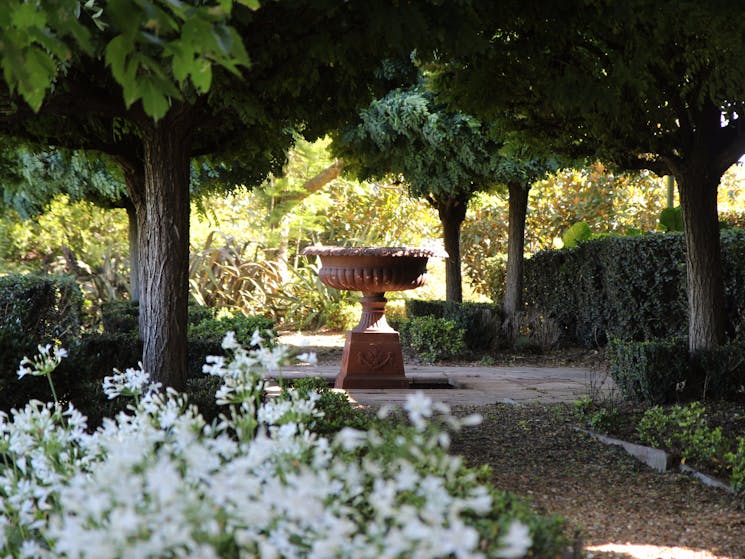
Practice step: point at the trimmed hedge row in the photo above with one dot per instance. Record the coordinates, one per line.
(631, 288)
(36, 310)
(481, 322)
(662, 372)
(94, 356)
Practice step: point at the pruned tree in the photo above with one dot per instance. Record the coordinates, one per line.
(658, 86)
(154, 83)
(443, 156)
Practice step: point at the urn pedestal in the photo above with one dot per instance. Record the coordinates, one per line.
(372, 355)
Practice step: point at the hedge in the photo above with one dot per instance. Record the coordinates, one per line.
(630, 288)
(481, 322)
(663, 372)
(36, 310)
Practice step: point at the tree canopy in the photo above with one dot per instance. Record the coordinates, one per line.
(154, 83)
(444, 156)
(641, 85)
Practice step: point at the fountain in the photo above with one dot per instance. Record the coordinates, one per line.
(372, 355)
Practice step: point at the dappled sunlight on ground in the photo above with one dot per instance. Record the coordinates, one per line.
(312, 339)
(640, 551)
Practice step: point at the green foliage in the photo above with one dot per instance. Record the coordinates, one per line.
(671, 220)
(653, 371)
(608, 202)
(440, 153)
(73, 238)
(338, 411)
(32, 178)
(661, 371)
(120, 317)
(597, 417)
(684, 431)
(35, 42)
(632, 288)
(577, 233)
(480, 322)
(623, 287)
(35, 310)
(736, 460)
(40, 308)
(214, 329)
(432, 339)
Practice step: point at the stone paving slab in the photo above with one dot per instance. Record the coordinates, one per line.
(479, 385)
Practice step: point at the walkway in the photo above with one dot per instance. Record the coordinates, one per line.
(479, 385)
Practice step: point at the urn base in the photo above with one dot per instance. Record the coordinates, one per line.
(372, 360)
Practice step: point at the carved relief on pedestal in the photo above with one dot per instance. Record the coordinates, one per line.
(374, 360)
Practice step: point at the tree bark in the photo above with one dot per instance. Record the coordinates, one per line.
(133, 169)
(452, 212)
(697, 188)
(165, 281)
(518, 209)
(134, 253)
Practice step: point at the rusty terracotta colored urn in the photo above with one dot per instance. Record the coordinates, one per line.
(372, 355)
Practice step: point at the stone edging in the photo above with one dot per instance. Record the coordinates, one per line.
(660, 460)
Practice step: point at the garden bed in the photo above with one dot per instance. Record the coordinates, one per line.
(607, 495)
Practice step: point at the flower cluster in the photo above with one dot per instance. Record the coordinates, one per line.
(159, 482)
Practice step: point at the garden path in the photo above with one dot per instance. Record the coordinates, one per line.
(458, 385)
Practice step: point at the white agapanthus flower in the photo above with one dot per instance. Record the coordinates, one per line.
(158, 481)
(132, 382)
(516, 542)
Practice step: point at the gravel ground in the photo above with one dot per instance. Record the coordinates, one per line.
(620, 508)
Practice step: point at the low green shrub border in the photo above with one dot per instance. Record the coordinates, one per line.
(481, 322)
(661, 371)
(36, 310)
(432, 339)
(685, 432)
(652, 371)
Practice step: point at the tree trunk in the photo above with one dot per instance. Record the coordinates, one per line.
(165, 279)
(134, 253)
(706, 312)
(134, 176)
(518, 209)
(452, 212)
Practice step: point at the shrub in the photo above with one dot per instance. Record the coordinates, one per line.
(480, 322)
(432, 339)
(252, 484)
(654, 372)
(120, 317)
(342, 316)
(336, 410)
(612, 287)
(214, 329)
(597, 417)
(662, 371)
(35, 310)
(631, 288)
(736, 461)
(684, 431)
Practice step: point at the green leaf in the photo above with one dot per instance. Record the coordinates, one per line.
(578, 232)
(251, 4)
(54, 45)
(116, 56)
(182, 62)
(154, 101)
(202, 79)
(671, 219)
(26, 16)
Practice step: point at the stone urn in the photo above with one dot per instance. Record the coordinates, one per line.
(372, 355)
